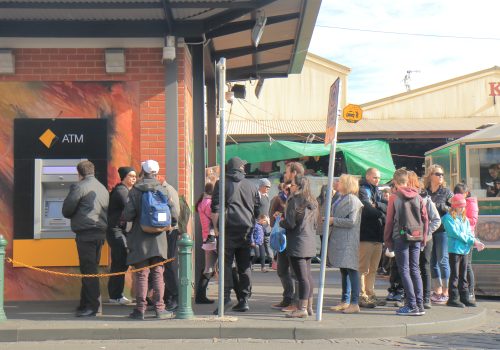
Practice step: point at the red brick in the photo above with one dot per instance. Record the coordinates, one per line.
(86, 64)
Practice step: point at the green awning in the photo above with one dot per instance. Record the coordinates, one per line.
(359, 155)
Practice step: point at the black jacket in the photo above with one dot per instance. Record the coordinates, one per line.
(117, 200)
(87, 206)
(300, 223)
(441, 199)
(242, 205)
(373, 214)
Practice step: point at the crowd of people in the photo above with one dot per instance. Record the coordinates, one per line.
(424, 229)
(421, 229)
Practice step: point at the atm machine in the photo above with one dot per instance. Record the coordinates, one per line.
(53, 178)
(46, 152)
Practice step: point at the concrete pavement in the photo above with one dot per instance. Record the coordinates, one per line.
(37, 321)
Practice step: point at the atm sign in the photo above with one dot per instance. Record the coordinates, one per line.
(48, 138)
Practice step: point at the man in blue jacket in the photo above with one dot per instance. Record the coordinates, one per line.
(371, 235)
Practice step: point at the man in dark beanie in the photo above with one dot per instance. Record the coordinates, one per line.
(116, 235)
(242, 205)
(87, 206)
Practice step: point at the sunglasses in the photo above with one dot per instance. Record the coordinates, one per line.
(438, 174)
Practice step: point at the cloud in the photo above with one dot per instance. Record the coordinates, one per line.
(379, 61)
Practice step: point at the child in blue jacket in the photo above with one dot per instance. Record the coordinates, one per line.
(460, 242)
(257, 242)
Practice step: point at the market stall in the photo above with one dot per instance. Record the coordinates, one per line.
(475, 160)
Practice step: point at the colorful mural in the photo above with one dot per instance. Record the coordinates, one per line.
(115, 101)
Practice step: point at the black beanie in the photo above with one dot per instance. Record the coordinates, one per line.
(124, 170)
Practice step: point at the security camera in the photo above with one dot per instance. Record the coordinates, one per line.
(168, 54)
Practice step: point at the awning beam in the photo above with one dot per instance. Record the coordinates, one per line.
(247, 50)
(240, 26)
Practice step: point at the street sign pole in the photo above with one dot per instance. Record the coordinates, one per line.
(221, 83)
(333, 117)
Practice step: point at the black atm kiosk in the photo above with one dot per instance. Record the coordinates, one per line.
(46, 152)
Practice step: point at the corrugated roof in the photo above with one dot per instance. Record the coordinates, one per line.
(491, 133)
(256, 127)
(82, 14)
(228, 24)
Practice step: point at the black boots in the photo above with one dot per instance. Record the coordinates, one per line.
(453, 299)
(465, 299)
(201, 291)
(242, 306)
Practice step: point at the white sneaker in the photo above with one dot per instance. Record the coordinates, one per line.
(121, 301)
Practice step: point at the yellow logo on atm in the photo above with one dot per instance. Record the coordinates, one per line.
(48, 138)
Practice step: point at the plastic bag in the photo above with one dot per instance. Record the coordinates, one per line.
(278, 236)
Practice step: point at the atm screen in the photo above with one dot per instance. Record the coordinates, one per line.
(53, 209)
(51, 170)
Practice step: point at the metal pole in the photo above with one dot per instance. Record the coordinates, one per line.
(3, 244)
(328, 206)
(185, 310)
(221, 83)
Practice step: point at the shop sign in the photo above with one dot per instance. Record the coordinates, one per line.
(494, 89)
(352, 113)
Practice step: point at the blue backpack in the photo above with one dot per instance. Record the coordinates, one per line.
(277, 241)
(155, 212)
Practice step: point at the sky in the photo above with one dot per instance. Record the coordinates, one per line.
(380, 61)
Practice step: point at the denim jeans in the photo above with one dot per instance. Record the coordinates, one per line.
(440, 266)
(407, 257)
(350, 286)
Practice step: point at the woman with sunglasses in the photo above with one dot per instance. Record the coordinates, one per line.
(440, 268)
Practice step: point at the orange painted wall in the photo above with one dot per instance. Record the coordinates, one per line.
(141, 130)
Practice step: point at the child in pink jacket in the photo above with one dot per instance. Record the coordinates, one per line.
(472, 213)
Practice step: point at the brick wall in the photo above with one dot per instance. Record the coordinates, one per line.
(143, 65)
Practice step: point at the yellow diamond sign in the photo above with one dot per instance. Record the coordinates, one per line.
(48, 138)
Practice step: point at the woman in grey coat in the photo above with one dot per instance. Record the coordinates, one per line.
(343, 244)
(300, 223)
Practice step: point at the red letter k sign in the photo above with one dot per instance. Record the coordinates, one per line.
(494, 89)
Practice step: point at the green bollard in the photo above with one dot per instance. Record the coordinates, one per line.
(3, 244)
(185, 310)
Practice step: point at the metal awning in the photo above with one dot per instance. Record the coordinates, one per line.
(223, 26)
(258, 130)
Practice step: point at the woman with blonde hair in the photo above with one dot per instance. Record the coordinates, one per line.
(435, 185)
(343, 243)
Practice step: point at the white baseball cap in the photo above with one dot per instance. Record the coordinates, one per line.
(150, 166)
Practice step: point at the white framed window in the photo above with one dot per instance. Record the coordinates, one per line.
(483, 170)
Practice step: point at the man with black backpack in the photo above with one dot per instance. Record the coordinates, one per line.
(153, 216)
(405, 232)
(241, 208)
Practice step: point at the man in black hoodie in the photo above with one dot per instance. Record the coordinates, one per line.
(371, 235)
(241, 209)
